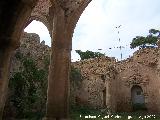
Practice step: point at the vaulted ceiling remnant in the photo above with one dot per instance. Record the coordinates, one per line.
(41, 13)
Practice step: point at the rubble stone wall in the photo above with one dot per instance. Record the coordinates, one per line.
(31, 47)
(106, 83)
(141, 70)
(98, 75)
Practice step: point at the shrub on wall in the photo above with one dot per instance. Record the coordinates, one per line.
(75, 82)
(89, 54)
(28, 90)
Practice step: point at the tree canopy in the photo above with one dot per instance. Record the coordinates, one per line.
(89, 54)
(142, 41)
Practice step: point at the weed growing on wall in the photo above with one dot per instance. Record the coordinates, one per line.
(28, 89)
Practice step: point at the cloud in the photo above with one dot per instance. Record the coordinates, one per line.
(41, 30)
(96, 26)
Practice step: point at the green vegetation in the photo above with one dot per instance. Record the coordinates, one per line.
(28, 90)
(75, 76)
(75, 84)
(140, 41)
(89, 54)
(27, 95)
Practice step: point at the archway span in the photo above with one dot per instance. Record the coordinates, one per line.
(40, 19)
(41, 13)
(34, 49)
(40, 29)
(14, 15)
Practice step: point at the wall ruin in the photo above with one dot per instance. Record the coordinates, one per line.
(141, 69)
(106, 76)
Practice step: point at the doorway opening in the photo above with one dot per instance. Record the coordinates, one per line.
(137, 97)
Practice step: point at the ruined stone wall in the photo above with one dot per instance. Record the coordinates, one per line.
(98, 75)
(105, 74)
(119, 77)
(140, 69)
(31, 47)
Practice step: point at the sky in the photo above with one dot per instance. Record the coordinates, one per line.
(96, 28)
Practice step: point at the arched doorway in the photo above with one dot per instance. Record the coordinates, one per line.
(137, 97)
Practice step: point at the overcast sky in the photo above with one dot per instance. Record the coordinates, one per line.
(96, 28)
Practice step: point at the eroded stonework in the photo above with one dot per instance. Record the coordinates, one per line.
(41, 12)
(141, 69)
(70, 5)
(61, 21)
(97, 75)
(107, 83)
(31, 47)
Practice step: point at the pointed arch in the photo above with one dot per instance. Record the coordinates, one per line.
(41, 13)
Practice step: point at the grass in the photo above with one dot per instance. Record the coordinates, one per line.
(86, 113)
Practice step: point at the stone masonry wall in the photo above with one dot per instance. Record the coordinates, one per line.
(118, 78)
(31, 47)
(142, 70)
(99, 77)
(106, 83)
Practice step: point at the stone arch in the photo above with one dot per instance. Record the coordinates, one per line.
(13, 24)
(41, 13)
(82, 4)
(43, 21)
(16, 19)
(14, 15)
(40, 19)
(137, 94)
(137, 98)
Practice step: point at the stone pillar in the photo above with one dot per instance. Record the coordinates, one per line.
(58, 81)
(5, 53)
(65, 18)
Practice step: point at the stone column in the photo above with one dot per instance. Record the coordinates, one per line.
(65, 18)
(5, 53)
(58, 81)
